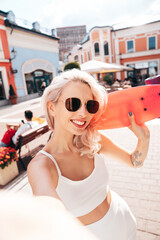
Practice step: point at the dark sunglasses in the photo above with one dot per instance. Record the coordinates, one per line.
(73, 104)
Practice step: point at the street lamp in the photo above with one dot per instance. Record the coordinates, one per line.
(14, 53)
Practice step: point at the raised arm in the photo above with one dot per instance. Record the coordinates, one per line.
(137, 157)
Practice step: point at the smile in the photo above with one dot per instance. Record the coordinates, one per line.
(78, 123)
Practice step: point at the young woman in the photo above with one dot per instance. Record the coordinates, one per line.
(71, 167)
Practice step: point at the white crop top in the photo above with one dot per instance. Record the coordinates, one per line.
(81, 197)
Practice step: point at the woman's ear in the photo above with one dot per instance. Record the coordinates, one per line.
(51, 108)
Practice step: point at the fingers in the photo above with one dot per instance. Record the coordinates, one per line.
(141, 131)
(131, 118)
(133, 127)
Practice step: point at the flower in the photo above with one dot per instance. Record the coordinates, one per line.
(7, 156)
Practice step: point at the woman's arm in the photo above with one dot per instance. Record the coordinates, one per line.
(43, 177)
(137, 157)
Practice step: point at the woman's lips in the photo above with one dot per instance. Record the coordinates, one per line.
(79, 123)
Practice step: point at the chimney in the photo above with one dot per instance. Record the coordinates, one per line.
(36, 26)
(11, 17)
(53, 32)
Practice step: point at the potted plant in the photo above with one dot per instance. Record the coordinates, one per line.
(108, 80)
(12, 95)
(71, 65)
(8, 164)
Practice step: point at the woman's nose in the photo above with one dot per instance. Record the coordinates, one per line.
(82, 110)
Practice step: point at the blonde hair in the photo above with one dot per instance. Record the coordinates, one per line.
(88, 142)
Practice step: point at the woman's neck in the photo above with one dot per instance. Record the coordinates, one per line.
(62, 143)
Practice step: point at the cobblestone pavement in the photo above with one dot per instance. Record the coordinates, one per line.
(139, 187)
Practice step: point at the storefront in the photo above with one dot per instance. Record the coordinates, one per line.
(143, 70)
(35, 79)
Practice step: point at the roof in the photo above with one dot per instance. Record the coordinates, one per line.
(100, 27)
(129, 27)
(4, 14)
(79, 26)
(85, 39)
(15, 26)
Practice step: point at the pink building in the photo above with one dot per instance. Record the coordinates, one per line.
(138, 47)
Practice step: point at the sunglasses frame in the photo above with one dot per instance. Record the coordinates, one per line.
(80, 104)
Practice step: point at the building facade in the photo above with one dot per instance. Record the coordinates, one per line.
(137, 47)
(6, 74)
(69, 37)
(96, 45)
(35, 60)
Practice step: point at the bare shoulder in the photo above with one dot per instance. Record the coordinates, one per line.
(40, 160)
(42, 173)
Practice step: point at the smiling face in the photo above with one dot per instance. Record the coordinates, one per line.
(73, 122)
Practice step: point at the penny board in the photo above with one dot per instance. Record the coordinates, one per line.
(142, 101)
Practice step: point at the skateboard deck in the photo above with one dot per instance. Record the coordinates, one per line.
(142, 101)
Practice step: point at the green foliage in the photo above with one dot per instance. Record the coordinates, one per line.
(71, 65)
(108, 79)
(11, 91)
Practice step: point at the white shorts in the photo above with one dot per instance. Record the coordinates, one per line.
(118, 223)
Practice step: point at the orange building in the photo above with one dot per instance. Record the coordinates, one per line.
(6, 74)
(97, 45)
(138, 47)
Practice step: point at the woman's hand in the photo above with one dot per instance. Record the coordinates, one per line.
(141, 131)
(143, 135)
(137, 157)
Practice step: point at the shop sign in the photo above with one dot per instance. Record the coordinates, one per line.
(14, 71)
(153, 64)
(141, 65)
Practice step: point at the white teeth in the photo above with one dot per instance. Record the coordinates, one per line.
(78, 122)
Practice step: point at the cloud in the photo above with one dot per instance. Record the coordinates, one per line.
(154, 8)
(70, 13)
(62, 13)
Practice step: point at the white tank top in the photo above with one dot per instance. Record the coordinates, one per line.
(81, 197)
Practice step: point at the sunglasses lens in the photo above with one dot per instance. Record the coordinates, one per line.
(72, 104)
(92, 106)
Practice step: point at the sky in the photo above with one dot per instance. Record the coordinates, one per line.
(64, 13)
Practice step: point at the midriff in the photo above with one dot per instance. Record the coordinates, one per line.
(98, 213)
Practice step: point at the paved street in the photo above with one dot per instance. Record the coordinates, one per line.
(139, 187)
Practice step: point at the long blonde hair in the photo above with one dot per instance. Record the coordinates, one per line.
(88, 142)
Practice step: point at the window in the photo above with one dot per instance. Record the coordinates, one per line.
(2, 92)
(1, 49)
(88, 56)
(130, 46)
(76, 58)
(106, 52)
(81, 58)
(38, 73)
(130, 74)
(152, 43)
(153, 68)
(96, 49)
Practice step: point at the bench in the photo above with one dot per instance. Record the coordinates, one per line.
(28, 137)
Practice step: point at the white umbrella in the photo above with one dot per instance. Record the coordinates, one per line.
(94, 66)
(123, 67)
